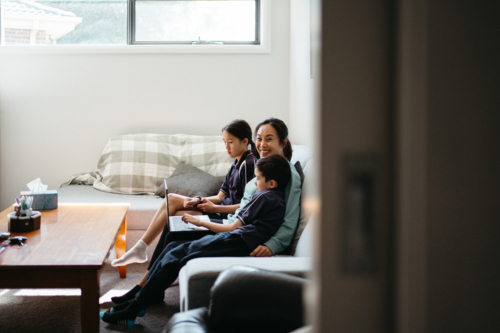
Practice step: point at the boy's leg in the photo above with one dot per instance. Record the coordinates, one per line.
(160, 246)
(166, 270)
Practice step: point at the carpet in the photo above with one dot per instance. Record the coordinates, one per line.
(39, 310)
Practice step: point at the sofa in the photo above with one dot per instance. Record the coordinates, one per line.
(197, 277)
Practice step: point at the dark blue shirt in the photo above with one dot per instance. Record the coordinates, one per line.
(240, 173)
(261, 217)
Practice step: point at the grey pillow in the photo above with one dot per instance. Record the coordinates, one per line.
(300, 171)
(190, 181)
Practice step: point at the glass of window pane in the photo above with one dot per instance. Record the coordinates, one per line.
(63, 22)
(188, 21)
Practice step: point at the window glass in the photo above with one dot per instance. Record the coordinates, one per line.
(188, 21)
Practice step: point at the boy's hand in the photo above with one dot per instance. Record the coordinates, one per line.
(190, 202)
(261, 251)
(191, 219)
(207, 206)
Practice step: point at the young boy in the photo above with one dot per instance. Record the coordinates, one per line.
(255, 224)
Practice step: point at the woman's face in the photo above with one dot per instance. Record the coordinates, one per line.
(268, 141)
(234, 146)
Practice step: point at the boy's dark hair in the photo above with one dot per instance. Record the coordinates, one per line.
(275, 167)
(240, 129)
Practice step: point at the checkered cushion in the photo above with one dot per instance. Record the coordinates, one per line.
(138, 163)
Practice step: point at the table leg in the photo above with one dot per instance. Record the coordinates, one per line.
(89, 301)
(121, 246)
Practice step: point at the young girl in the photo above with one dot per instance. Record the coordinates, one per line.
(237, 135)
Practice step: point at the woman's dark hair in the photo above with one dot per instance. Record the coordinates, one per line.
(282, 131)
(240, 129)
(275, 167)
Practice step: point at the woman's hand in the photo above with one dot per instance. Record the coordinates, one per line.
(261, 251)
(190, 202)
(191, 219)
(207, 206)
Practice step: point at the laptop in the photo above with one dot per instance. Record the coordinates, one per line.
(176, 223)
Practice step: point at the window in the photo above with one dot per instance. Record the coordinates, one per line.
(187, 22)
(130, 22)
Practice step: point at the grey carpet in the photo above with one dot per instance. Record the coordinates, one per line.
(62, 313)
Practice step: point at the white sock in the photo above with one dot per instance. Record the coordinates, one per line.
(135, 254)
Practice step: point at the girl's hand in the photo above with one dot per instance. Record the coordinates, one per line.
(191, 219)
(190, 202)
(261, 251)
(207, 206)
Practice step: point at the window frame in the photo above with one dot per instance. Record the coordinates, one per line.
(131, 28)
(264, 46)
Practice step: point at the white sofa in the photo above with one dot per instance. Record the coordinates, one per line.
(198, 275)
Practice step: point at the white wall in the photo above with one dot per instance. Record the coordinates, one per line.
(57, 111)
(301, 84)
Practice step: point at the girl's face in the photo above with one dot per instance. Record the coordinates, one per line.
(234, 146)
(268, 141)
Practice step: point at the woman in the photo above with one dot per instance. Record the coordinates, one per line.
(271, 137)
(237, 135)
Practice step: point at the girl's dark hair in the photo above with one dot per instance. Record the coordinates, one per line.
(282, 131)
(240, 129)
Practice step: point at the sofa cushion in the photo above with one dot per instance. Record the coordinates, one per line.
(304, 243)
(190, 181)
(303, 154)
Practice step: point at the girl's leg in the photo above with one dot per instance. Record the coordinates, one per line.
(137, 254)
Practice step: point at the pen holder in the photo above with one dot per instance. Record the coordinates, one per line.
(24, 223)
(24, 212)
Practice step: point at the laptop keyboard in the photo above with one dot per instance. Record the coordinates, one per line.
(181, 225)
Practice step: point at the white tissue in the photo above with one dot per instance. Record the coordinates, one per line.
(36, 186)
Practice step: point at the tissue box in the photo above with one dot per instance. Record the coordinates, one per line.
(45, 200)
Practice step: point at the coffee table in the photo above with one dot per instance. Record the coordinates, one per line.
(68, 251)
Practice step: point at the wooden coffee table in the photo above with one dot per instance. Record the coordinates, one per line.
(68, 251)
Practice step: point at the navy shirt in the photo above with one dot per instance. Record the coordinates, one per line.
(240, 173)
(261, 217)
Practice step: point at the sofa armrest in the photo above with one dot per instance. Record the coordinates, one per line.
(199, 275)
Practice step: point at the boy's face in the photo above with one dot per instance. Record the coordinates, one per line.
(261, 183)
